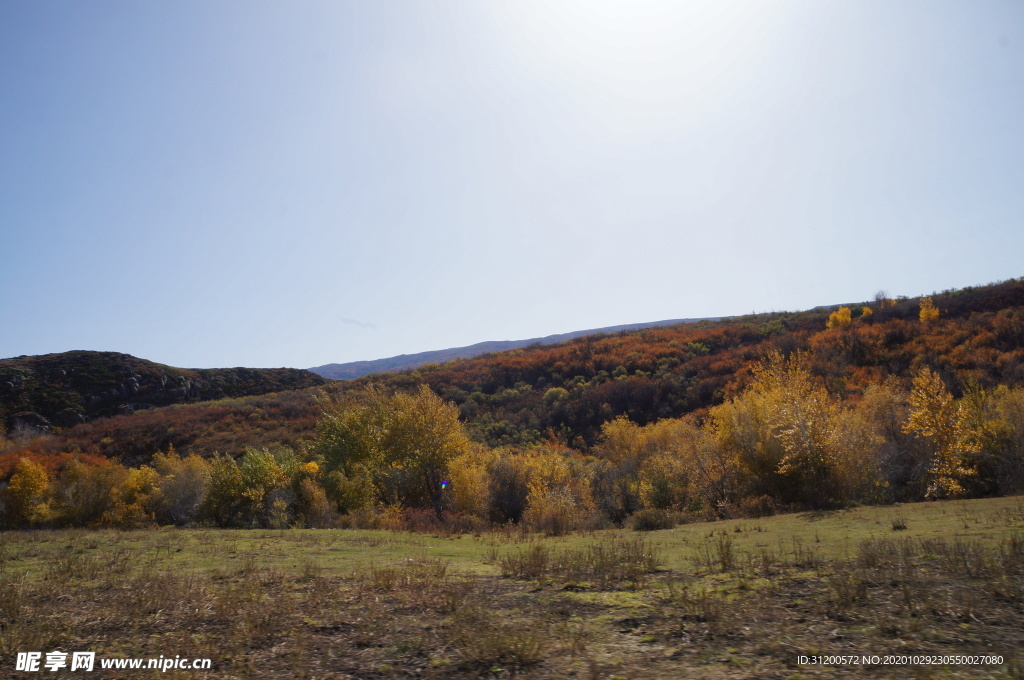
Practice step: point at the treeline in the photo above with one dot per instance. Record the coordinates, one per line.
(382, 458)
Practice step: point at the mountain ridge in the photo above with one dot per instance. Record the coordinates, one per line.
(404, 362)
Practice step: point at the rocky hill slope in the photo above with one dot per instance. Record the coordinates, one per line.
(69, 388)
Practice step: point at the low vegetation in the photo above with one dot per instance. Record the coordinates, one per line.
(733, 598)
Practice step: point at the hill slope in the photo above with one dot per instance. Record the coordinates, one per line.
(566, 391)
(406, 362)
(69, 388)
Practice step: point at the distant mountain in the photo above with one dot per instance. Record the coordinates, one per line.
(72, 387)
(404, 362)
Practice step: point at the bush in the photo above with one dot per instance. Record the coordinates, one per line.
(86, 493)
(509, 486)
(652, 519)
(182, 487)
(757, 506)
(134, 500)
(26, 499)
(554, 513)
(314, 508)
(467, 491)
(349, 493)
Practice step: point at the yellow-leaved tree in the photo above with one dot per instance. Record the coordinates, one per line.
(929, 312)
(403, 442)
(822, 453)
(28, 495)
(939, 418)
(135, 499)
(559, 497)
(841, 318)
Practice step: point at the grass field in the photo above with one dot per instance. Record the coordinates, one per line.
(731, 599)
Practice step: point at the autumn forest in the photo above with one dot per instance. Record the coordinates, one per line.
(887, 400)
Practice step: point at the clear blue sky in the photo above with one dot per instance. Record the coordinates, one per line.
(295, 183)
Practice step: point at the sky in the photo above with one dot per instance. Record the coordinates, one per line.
(245, 183)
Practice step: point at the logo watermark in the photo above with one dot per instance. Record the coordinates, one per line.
(56, 660)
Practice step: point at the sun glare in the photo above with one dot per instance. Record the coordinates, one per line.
(636, 57)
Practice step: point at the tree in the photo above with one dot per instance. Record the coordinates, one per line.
(822, 452)
(315, 509)
(135, 499)
(559, 497)
(1006, 437)
(468, 488)
(509, 486)
(405, 441)
(903, 457)
(182, 486)
(27, 495)
(223, 501)
(262, 473)
(802, 417)
(664, 481)
(841, 318)
(935, 415)
(929, 312)
(713, 470)
(86, 493)
(252, 492)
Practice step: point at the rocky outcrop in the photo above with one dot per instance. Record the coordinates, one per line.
(28, 420)
(68, 417)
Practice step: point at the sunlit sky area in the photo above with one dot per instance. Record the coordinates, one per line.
(236, 183)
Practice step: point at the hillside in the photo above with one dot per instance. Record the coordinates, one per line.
(406, 362)
(568, 390)
(562, 392)
(71, 388)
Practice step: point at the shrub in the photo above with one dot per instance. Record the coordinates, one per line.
(840, 318)
(757, 506)
(663, 482)
(553, 512)
(404, 441)
(182, 486)
(86, 493)
(482, 637)
(134, 500)
(652, 519)
(467, 491)
(223, 503)
(509, 482)
(313, 506)
(349, 493)
(26, 500)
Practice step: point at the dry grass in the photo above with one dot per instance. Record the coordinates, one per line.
(720, 600)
